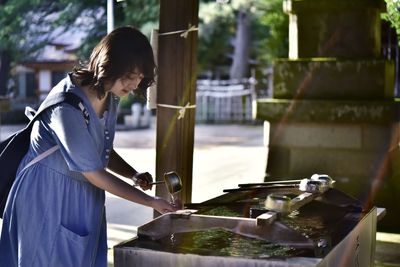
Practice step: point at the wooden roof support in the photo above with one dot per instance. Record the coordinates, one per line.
(176, 86)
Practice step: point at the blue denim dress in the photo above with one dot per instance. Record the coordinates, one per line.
(54, 216)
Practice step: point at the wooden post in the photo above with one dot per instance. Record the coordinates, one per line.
(176, 85)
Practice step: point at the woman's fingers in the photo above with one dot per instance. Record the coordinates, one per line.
(163, 206)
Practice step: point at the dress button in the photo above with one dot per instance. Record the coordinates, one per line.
(107, 137)
(107, 156)
(106, 132)
(108, 150)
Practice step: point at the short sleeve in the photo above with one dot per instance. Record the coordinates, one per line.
(76, 144)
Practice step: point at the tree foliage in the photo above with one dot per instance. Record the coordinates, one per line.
(27, 25)
(273, 30)
(142, 14)
(218, 25)
(393, 14)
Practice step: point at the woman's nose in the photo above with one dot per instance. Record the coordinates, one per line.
(140, 78)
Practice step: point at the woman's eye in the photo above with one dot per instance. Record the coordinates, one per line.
(131, 79)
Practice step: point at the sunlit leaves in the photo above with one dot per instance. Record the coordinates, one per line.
(393, 14)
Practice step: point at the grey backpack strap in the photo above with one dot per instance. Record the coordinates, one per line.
(41, 156)
(30, 113)
(65, 97)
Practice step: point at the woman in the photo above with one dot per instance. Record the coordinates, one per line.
(55, 211)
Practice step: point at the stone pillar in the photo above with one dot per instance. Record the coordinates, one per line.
(333, 109)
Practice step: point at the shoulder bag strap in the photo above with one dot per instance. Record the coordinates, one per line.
(66, 97)
(41, 156)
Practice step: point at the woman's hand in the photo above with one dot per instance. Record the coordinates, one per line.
(163, 206)
(143, 179)
(112, 184)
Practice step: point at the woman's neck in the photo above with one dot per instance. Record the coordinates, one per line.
(99, 105)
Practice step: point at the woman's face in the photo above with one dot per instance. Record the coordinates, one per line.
(123, 86)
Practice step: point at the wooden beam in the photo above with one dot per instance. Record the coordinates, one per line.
(176, 86)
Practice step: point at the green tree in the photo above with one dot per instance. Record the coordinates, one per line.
(393, 14)
(219, 24)
(142, 14)
(216, 27)
(27, 25)
(273, 30)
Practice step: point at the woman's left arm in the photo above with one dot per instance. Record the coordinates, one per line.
(119, 166)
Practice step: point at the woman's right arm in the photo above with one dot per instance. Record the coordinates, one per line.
(115, 186)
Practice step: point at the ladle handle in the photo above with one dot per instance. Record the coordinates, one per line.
(157, 182)
(152, 183)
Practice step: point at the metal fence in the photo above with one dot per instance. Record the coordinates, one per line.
(225, 100)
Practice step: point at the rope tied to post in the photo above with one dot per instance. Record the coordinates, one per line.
(182, 109)
(183, 33)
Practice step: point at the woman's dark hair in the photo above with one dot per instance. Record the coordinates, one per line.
(119, 53)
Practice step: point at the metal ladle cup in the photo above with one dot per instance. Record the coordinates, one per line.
(173, 182)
